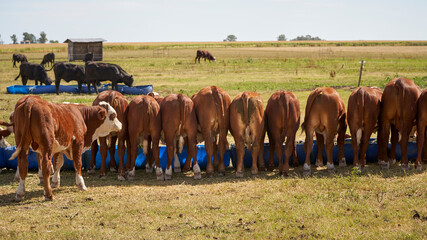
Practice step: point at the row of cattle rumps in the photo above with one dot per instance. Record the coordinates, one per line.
(53, 129)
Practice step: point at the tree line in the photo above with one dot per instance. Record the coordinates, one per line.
(32, 38)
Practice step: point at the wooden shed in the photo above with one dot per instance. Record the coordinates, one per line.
(78, 47)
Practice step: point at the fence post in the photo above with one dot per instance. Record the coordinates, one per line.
(361, 70)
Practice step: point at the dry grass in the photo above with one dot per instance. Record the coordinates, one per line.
(374, 205)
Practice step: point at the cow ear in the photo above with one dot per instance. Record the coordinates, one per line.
(102, 114)
(115, 103)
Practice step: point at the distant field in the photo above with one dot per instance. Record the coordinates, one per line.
(346, 205)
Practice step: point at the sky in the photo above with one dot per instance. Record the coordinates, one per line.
(214, 20)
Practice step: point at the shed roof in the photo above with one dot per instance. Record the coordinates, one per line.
(84, 40)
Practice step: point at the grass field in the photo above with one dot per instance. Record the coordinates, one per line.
(374, 205)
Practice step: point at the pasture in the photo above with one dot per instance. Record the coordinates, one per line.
(378, 204)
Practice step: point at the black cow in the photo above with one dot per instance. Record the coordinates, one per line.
(88, 57)
(17, 57)
(68, 72)
(48, 58)
(33, 71)
(205, 55)
(97, 72)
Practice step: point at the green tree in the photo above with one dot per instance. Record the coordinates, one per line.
(1, 41)
(30, 37)
(306, 38)
(14, 39)
(53, 41)
(230, 38)
(42, 38)
(281, 37)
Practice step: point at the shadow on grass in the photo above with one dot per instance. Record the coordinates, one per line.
(149, 179)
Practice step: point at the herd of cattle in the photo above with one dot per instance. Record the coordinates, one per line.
(91, 73)
(53, 129)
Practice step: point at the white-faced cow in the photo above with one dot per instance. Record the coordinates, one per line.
(325, 115)
(364, 106)
(119, 103)
(247, 128)
(178, 122)
(398, 112)
(282, 119)
(213, 119)
(53, 129)
(143, 125)
(421, 130)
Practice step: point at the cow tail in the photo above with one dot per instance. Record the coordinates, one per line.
(51, 68)
(245, 101)
(18, 76)
(285, 117)
(402, 105)
(360, 105)
(310, 101)
(182, 107)
(219, 106)
(23, 144)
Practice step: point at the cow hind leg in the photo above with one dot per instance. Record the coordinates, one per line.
(23, 170)
(94, 151)
(329, 152)
(59, 161)
(103, 150)
(320, 140)
(112, 151)
(46, 168)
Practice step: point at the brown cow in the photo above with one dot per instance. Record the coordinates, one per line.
(325, 115)
(421, 130)
(398, 111)
(48, 58)
(213, 119)
(282, 119)
(247, 127)
(205, 55)
(119, 103)
(364, 105)
(143, 125)
(179, 121)
(55, 129)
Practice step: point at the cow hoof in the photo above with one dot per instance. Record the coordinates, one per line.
(307, 173)
(319, 163)
(284, 174)
(102, 176)
(221, 173)
(177, 169)
(261, 168)
(50, 198)
(384, 165)
(270, 168)
(19, 197)
(113, 169)
(392, 161)
(149, 169)
(16, 179)
(160, 177)
(55, 184)
(91, 171)
(405, 167)
(254, 171)
(168, 177)
(81, 187)
(185, 169)
(121, 178)
(198, 176)
(343, 163)
(209, 174)
(131, 177)
(239, 174)
(419, 167)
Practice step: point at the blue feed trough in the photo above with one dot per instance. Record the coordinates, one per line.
(19, 89)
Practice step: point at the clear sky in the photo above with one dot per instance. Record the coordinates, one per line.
(213, 20)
